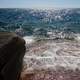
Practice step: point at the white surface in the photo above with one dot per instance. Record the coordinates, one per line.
(29, 39)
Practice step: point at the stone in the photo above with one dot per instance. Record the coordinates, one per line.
(12, 50)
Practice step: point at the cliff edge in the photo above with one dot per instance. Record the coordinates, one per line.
(12, 50)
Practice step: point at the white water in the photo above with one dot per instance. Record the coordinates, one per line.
(28, 39)
(63, 53)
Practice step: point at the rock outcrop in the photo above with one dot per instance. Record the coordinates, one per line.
(12, 50)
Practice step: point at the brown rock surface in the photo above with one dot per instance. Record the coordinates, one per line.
(12, 49)
(59, 74)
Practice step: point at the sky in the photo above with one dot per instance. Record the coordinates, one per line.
(39, 3)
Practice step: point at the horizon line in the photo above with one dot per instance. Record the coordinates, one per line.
(39, 8)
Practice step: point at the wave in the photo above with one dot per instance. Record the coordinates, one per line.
(28, 39)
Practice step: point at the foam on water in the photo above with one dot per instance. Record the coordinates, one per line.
(63, 53)
(28, 39)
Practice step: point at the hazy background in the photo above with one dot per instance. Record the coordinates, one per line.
(39, 3)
